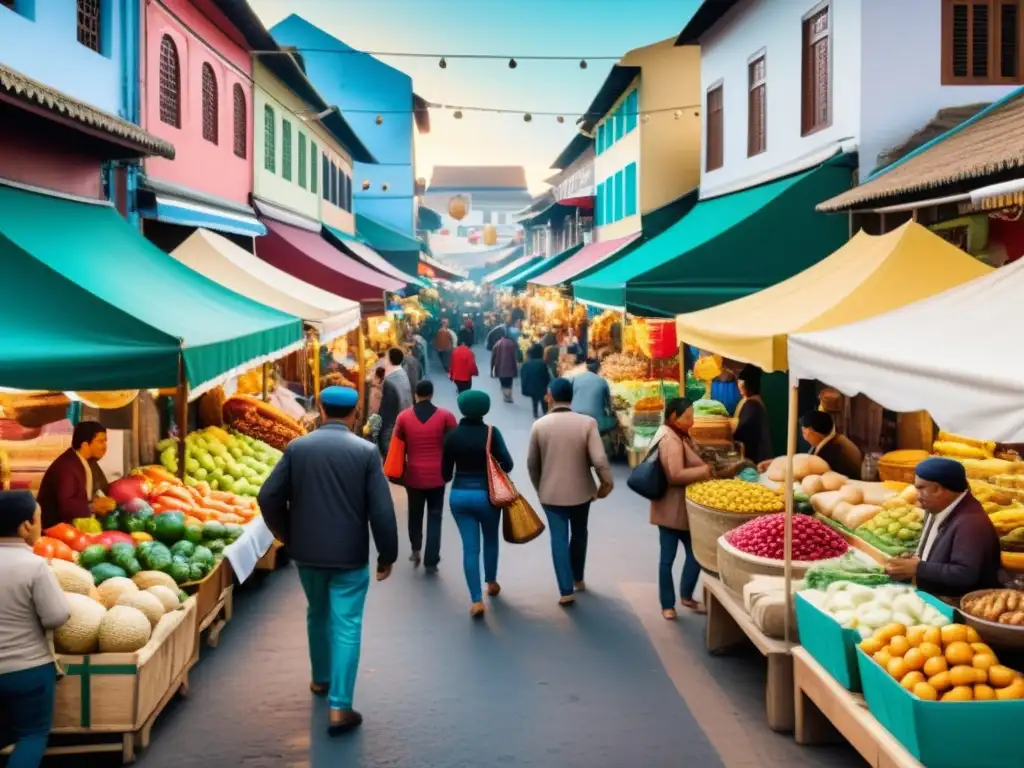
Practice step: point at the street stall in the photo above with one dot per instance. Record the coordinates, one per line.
(98, 307)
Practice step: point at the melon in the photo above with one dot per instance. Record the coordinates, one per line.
(168, 597)
(124, 630)
(72, 578)
(80, 633)
(149, 604)
(112, 589)
(147, 579)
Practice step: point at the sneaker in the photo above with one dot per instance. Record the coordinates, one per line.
(343, 720)
(415, 559)
(567, 600)
(669, 614)
(477, 610)
(580, 586)
(494, 589)
(430, 570)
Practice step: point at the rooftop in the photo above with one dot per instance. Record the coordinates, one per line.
(480, 177)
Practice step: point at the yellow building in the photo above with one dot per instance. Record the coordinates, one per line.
(646, 125)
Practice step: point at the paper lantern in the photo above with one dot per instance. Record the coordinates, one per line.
(108, 400)
(458, 207)
(490, 234)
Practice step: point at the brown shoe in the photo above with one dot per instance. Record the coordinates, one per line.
(319, 689)
(343, 720)
(494, 589)
(669, 614)
(567, 600)
(580, 586)
(694, 606)
(476, 610)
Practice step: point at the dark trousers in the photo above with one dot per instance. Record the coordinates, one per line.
(670, 539)
(26, 713)
(540, 406)
(568, 552)
(433, 500)
(445, 356)
(463, 386)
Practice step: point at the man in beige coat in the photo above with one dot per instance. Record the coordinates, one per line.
(565, 450)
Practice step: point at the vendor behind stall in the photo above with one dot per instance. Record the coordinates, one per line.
(69, 486)
(959, 548)
(838, 451)
(750, 425)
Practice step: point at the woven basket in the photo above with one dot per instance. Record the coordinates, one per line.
(711, 429)
(900, 466)
(736, 568)
(706, 526)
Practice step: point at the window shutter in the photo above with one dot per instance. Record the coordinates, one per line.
(817, 95)
(1009, 40)
(631, 191)
(170, 83)
(326, 168)
(89, 24)
(599, 205)
(715, 152)
(620, 194)
(632, 102)
(609, 201)
(314, 164)
(238, 99)
(757, 108)
(302, 159)
(269, 139)
(286, 150)
(980, 40)
(210, 111)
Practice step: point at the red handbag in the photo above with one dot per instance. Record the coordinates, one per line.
(500, 489)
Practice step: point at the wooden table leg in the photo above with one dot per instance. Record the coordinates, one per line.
(779, 692)
(723, 633)
(811, 727)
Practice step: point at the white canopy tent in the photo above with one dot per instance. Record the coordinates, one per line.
(952, 354)
(220, 260)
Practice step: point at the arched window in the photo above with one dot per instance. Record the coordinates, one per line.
(269, 139)
(89, 24)
(209, 104)
(239, 102)
(170, 83)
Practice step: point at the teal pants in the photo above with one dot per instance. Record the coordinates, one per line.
(334, 624)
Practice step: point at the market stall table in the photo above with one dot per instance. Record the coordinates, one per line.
(823, 708)
(728, 624)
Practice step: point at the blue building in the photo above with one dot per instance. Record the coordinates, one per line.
(379, 103)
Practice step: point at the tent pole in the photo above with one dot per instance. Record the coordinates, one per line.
(361, 368)
(181, 414)
(316, 369)
(266, 382)
(794, 404)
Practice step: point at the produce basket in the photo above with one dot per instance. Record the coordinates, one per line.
(706, 527)
(736, 568)
(834, 647)
(943, 734)
(711, 429)
(999, 636)
(899, 466)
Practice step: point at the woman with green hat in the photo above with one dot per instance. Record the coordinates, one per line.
(464, 465)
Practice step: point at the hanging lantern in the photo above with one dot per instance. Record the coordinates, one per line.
(490, 234)
(458, 207)
(108, 400)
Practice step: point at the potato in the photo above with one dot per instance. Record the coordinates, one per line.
(841, 510)
(803, 465)
(910, 495)
(851, 495)
(825, 503)
(833, 481)
(812, 484)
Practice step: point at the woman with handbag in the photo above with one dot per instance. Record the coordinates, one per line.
(465, 465)
(682, 465)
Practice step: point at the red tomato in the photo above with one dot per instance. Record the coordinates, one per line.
(53, 549)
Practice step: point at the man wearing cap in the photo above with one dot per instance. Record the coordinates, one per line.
(324, 497)
(959, 548)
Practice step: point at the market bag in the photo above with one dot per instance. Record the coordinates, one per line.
(500, 489)
(394, 464)
(520, 523)
(649, 479)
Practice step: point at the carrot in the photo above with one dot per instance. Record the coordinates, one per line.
(226, 496)
(220, 506)
(230, 518)
(181, 493)
(204, 488)
(200, 514)
(173, 502)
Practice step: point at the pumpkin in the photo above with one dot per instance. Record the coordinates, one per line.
(112, 589)
(80, 633)
(149, 604)
(72, 578)
(124, 630)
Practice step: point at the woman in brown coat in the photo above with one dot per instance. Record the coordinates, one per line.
(682, 464)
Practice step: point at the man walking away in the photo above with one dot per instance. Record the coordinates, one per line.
(411, 366)
(324, 497)
(443, 344)
(467, 335)
(463, 367)
(396, 396)
(565, 450)
(423, 428)
(592, 397)
(535, 378)
(504, 365)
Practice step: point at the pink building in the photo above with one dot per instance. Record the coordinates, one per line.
(196, 93)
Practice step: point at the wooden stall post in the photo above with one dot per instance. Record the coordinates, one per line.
(361, 367)
(266, 382)
(181, 414)
(682, 371)
(794, 405)
(316, 370)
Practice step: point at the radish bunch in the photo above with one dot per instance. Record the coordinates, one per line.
(765, 537)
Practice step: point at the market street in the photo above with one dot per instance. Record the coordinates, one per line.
(607, 683)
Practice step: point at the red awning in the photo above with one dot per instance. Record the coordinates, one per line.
(585, 258)
(309, 257)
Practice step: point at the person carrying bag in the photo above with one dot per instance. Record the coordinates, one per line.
(520, 523)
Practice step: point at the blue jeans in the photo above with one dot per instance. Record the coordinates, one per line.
(568, 554)
(670, 539)
(474, 514)
(334, 625)
(26, 708)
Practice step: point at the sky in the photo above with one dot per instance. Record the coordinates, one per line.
(577, 28)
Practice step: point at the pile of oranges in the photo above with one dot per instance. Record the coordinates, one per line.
(947, 663)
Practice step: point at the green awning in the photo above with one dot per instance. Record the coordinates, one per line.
(523, 276)
(363, 252)
(511, 277)
(90, 304)
(384, 237)
(727, 247)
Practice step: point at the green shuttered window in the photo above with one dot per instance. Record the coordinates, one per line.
(631, 191)
(620, 194)
(286, 150)
(269, 139)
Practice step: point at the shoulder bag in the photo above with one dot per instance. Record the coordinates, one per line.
(649, 479)
(500, 489)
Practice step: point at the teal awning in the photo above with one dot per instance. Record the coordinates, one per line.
(727, 247)
(384, 237)
(428, 219)
(92, 305)
(371, 258)
(520, 277)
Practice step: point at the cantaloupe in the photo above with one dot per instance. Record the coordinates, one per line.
(112, 589)
(80, 633)
(168, 597)
(147, 579)
(148, 603)
(124, 630)
(72, 578)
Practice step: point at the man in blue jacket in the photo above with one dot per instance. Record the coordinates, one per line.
(322, 500)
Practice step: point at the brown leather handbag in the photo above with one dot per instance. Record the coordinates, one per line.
(500, 489)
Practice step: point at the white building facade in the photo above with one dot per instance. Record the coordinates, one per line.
(787, 83)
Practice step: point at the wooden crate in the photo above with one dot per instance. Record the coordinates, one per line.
(123, 693)
(213, 602)
(271, 559)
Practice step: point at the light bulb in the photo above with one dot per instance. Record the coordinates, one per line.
(583, 63)
(366, 185)
(442, 63)
(458, 114)
(560, 119)
(380, 120)
(527, 117)
(512, 64)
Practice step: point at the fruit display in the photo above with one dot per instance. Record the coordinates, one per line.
(803, 465)
(894, 530)
(227, 461)
(735, 496)
(625, 367)
(1000, 606)
(764, 537)
(867, 609)
(948, 663)
(709, 408)
(261, 421)
(631, 391)
(849, 569)
(959, 447)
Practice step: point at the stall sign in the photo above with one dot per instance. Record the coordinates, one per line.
(662, 335)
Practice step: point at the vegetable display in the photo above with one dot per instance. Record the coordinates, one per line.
(735, 496)
(867, 609)
(943, 664)
(1001, 606)
(261, 421)
(895, 530)
(803, 465)
(850, 569)
(764, 536)
(227, 462)
(709, 408)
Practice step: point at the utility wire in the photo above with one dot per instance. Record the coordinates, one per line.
(416, 55)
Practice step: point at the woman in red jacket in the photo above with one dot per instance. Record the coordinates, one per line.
(463, 367)
(423, 428)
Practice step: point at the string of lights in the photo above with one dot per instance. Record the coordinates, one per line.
(442, 58)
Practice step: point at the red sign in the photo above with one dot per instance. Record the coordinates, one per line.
(662, 334)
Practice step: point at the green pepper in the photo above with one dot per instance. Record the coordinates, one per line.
(112, 522)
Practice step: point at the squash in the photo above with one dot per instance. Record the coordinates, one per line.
(124, 630)
(833, 481)
(112, 589)
(147, 579)
(812, 484)
(80, 633)
(168, 597)
(852, 494)
(803, 465)
(825, 503)
(71, 577)
(149, 604)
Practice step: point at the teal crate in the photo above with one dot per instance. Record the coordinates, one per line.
(835, 648)
(979, 734)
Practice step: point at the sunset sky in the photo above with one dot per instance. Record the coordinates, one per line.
(578, 28)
